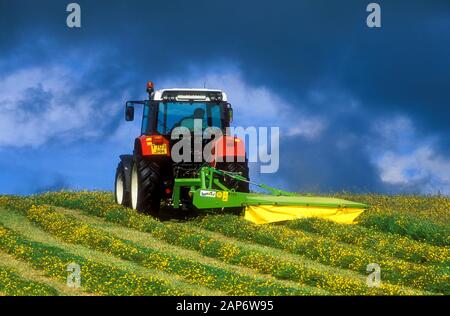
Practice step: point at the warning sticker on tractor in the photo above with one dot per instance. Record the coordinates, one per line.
(206, 193)
(225, 196)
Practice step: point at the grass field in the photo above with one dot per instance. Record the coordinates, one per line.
(121, 252)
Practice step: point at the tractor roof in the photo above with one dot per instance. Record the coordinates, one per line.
(189, 94)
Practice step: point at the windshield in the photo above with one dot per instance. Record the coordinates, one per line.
(176, 114)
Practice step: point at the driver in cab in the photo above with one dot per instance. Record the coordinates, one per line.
(188, 122)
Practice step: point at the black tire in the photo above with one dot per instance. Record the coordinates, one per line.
(146, 197)
(236, 185)
(121, 194)
(231, 183)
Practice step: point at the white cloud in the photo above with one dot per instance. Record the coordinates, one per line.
(56, 113)
(65, 117)
(310, 128)
(423, 168)
(409, 161)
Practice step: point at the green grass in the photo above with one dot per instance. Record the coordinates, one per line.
(74, 231)
(261, 261)
(12, 284)
(328, 251)
(147, 240)
(104, 275)
(26, 271)
(370, 238)
(422, 218)
(97, 278)
(223, 254)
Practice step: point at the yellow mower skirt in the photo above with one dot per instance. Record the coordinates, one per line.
(263, 214)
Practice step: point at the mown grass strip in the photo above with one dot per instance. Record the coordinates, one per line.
(147, 240)
(96, 278)
(18, 222)
(385, 243)
(330, 252)
(74, 231)
(26, 271)
(100, 204)
(12, 284)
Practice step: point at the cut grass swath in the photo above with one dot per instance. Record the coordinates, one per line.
(19, 223)
(12, 284)
(96, 278)
(74, 231)
(100, 205)
(330, 252)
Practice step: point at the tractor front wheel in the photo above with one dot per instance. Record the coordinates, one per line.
(121, 195)
(145, 186)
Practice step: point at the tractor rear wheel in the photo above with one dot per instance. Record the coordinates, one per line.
(236, 185)
(122, 196)
(145, 186)
(238, 167)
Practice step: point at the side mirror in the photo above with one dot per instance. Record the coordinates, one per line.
(230, 114)
(129, 112)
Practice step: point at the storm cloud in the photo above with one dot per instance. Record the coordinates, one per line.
(359, 109)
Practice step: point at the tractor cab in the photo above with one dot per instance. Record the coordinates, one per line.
(168, 109)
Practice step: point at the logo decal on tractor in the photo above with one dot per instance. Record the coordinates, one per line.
(207, 193)
(222, 195)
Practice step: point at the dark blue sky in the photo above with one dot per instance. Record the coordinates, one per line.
(359, 109)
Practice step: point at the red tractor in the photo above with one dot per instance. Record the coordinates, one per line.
(145, 180)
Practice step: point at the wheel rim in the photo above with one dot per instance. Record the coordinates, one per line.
(119, 188)
(134, 187)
